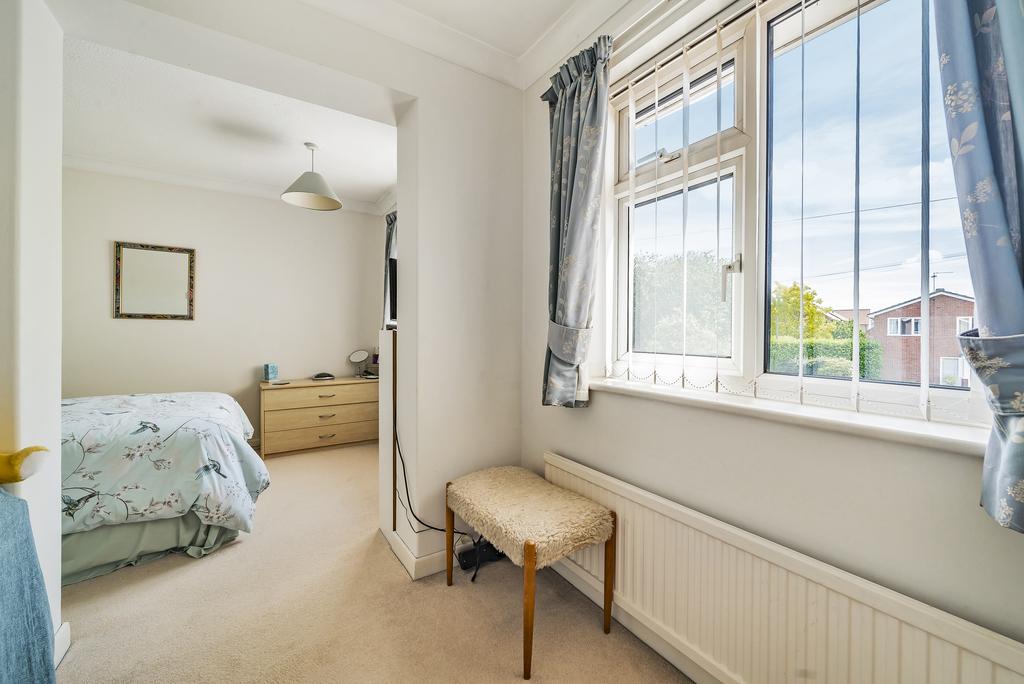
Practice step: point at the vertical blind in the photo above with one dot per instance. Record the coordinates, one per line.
(856, 221)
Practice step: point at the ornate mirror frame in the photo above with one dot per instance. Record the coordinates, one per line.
(119, 248)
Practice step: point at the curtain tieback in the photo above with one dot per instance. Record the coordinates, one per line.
(569, 344)
(999, 362)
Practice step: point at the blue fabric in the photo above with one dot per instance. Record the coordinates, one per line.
(986, 155)
(26, 629)
(578, 107)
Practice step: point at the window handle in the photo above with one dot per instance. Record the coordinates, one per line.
(665, 157)
(731, 268)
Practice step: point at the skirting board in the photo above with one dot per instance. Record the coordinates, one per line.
(61, 643)
(421, 567)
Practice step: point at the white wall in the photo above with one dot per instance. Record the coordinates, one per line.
(459, 190)
(30, 153)
(273, 283)
(904, 517)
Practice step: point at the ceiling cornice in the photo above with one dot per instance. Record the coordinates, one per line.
(580, 24)
(95, 165)
(417, 30)
(424, 33)
(387, 202)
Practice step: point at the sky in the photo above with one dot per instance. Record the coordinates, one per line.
(890, 187)
(821, 163)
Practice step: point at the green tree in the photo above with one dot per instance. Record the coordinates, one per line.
(843, 330)
(785, 313)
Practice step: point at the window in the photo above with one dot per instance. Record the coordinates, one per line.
(681, 214)
(661, 132)
(849, 206)
(954, 371)
(904, 326)
(792, 232)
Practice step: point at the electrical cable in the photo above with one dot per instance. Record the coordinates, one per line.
(409, 509)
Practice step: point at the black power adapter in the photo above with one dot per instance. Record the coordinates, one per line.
(481, 552)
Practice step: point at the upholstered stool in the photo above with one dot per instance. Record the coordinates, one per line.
(534, 523)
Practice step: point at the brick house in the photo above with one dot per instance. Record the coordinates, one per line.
(897, 329)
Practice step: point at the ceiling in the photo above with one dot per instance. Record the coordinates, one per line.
(515, 42)
(132, 115)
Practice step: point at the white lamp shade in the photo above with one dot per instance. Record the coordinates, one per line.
(310, 191)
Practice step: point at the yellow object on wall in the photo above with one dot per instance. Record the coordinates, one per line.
(16, 467)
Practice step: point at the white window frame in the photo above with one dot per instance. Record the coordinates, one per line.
(963, 324)
(666, 175)
(744, 149)
(962, 369)
(943, 404)
(915, 326)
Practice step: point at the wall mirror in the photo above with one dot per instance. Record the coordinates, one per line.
(151, 281)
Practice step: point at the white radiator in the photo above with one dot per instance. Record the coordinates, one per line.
(748, 610)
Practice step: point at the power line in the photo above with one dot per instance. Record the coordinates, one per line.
(883, 267)
(864, 211)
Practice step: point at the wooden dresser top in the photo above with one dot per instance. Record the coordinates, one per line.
(306, 382)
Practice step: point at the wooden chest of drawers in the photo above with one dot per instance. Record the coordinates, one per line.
(305, 414)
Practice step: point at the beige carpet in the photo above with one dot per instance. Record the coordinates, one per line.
(315, 595)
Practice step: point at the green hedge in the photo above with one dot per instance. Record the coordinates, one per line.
(826, 357)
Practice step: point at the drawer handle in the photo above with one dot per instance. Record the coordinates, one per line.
(325, 396)
(328, 436)
(327, 415)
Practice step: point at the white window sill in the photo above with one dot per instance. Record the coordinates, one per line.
(962, 439)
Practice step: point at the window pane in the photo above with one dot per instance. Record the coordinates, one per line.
(816, 185)
(708, 318)
(890, 266)
(658, 273)
(666, 133)
(890, 228)
(658, 276)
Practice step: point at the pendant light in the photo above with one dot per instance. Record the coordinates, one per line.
(310, 190)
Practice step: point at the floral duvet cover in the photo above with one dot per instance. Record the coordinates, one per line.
(131, 458)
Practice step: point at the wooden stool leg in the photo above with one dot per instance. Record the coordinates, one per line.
(609, 575)
(449, 535)
(529, 600)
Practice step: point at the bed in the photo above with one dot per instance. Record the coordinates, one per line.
(144, 475)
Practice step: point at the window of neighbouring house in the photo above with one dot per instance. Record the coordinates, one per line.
(954, 371)
(904, 326)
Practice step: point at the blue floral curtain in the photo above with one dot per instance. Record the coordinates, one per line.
(981, 48)
(578, 107)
